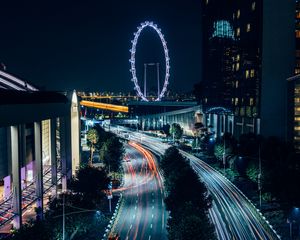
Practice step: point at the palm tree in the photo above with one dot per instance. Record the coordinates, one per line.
(93, 138)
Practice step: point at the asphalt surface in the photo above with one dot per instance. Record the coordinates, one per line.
(233, 215)
(142, 212)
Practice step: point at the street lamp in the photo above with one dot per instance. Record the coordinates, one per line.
(293, 218)
(137, 123)
(259, 176)
(224, 155)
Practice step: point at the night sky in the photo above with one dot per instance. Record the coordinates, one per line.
(84, 45)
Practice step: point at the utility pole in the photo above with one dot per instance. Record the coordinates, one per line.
(64, 218)
(109, 196)
(259, 176)
(158, 87)
(224, 154)
(145, 79)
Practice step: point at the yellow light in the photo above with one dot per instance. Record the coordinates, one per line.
(104, 106)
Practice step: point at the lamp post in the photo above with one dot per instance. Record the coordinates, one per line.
(137, 123)
(224, 154)
(259, 176)
(64, 217)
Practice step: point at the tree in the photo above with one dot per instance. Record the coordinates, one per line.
(187, 199)
(112, 153)
(176, 130)
(35, 230)
(92, 139)
(190, 223)
(90, 181)
(103, 136)
(166, 129)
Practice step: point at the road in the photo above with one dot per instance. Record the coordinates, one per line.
(233, 215)
(142, 213)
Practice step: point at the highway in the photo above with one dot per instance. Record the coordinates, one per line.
(233, 215)
(142, 213)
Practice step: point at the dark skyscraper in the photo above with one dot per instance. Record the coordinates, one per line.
(246, 61)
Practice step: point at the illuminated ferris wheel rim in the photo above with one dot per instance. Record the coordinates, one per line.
(132, 60)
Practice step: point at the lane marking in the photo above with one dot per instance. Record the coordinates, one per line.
(152, 215)
(152, 207)
(149, 237)
(151, 225)
(133, 216)
(130, 226)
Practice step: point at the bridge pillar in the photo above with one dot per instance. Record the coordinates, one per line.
(16, 176)
(53, 157)
(38, 168)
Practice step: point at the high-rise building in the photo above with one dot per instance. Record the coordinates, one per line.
(294, 88)
(248, 54)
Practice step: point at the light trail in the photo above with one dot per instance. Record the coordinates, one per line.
(234, 216)
(142, 197)
(104, 106)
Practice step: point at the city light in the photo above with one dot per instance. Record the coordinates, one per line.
(132, 60)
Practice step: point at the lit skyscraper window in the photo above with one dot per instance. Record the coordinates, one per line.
(223, 29)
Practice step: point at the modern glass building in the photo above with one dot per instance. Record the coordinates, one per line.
(248, 53)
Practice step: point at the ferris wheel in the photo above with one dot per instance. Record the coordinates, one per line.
(160, 94)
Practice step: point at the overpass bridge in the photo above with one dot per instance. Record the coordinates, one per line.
(186, 117)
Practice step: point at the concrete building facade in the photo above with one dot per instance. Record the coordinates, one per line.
(39, 146)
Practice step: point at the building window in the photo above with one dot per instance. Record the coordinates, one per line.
(238, 13)
(236, 84)
(253, 6)
(297, 32)
(297, 128)
(238, 57)
(233, 67)
(237, 67)
(248, 28)
(247, 74)
(206, 2)
(238, 32)
(251, 102)
(252, 73)
(236, 102)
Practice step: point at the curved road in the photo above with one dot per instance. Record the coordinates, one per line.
(233, 215)
(142, 214)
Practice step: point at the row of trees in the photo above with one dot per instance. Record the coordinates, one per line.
(108, 145)
(280, 164)
(187, 199)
